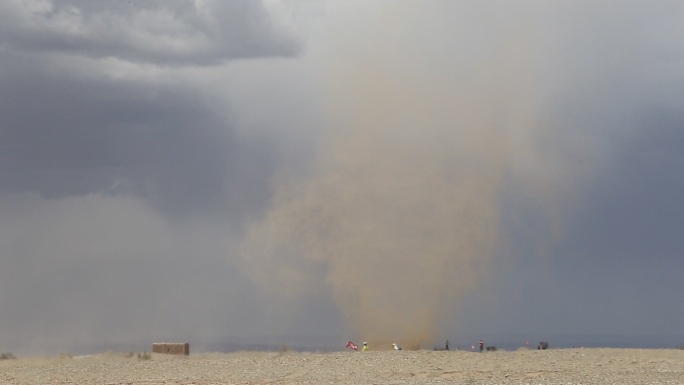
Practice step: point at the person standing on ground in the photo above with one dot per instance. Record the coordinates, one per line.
(481, 346)
(365, 347)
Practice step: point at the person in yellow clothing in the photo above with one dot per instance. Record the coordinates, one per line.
(365, 347)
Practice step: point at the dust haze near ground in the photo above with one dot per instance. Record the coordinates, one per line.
(399, 217)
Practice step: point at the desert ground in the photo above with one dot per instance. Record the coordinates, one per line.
(554, 366)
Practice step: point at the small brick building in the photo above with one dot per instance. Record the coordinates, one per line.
(182, 348)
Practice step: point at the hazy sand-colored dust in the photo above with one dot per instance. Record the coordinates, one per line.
(559, 366)
(401, 207)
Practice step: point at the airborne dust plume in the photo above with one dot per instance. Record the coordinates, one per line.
(399, 216)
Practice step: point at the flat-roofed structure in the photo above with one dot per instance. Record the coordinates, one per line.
(182, 348)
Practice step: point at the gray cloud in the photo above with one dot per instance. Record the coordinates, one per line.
(163, 32)
(64, 134)
(77, 118)
(640, 191)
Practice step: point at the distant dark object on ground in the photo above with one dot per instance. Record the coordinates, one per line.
(543, 345)
(491, 348)
(446, 347)
(7, 356)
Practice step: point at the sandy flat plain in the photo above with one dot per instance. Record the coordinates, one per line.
(554, 366)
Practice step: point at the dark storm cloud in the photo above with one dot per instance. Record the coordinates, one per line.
(622, 94)
(65, 135)
(635, 203)
(70, 127)
(160, 31)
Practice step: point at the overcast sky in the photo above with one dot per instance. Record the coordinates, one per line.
(226, 170)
